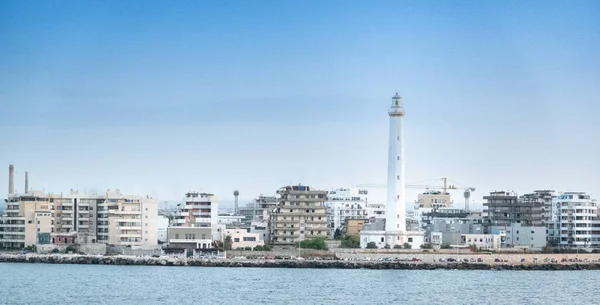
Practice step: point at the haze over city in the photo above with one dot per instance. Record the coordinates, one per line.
(220, 96)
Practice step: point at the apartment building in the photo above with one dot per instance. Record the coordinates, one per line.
(132, 220)
(258, 209)
(300, 214)
(195, 225)
(434, 200)
(350, 203)
(26, 217)
(575, 218)
(503, 208)
(111, 218)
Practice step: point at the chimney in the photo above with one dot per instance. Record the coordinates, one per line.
(11, 179)
(26, 183)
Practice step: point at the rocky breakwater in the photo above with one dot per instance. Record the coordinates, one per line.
(318, 264)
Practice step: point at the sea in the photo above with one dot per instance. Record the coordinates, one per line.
(101, 284)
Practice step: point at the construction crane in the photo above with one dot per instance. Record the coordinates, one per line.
(445, 187)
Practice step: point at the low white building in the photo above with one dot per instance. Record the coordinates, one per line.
(242, 238)
(483, 241)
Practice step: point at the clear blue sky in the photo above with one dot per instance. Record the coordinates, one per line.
(162, 97)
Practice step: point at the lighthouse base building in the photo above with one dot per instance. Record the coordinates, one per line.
(392, 231)
(391, 239)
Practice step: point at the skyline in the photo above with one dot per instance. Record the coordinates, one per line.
(216, 97)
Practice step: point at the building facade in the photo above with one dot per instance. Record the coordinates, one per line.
(301, 214)
(434, 200)
(575, 218)
(350, 203)
(243, 238)
(38, 218)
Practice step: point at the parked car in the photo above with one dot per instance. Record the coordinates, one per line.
(450, 259)
(522, 260)
(480, 260)
(472, 260)
(416, 259)
(442, 260)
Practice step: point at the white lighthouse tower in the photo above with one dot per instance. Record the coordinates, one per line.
(394, 233)
(395, 206)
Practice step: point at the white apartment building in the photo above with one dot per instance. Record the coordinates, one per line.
(132, 220)
(195, 225)
(350, 203)
(576, 222)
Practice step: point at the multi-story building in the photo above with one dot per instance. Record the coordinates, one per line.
(504, 208)
(39, 218)
(300, 214)
(575, 218)
(350, 203)
(198, 210)
(434, 200)
(195, 225)
(26, 217)
(258, 210)
(132, 220)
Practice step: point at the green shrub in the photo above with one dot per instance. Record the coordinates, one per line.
(350, 241)
(407, 246)
(313, 243)
(371, 245)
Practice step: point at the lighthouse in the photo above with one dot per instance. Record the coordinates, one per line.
(394, 232)
(395, 206)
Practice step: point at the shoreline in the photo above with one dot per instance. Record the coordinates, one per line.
(259, 263)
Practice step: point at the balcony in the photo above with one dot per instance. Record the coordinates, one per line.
(202, 220)
(182, 214)
(180, 221)
(12, 240)
(201, 213)
(195, 207)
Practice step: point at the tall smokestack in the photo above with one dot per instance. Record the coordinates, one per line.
(11, 179)
(26, 183)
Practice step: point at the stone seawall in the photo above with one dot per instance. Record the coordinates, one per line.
(337, 264)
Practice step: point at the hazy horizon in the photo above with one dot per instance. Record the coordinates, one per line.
(159, 99)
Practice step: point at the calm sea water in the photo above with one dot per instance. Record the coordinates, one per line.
(92, 284)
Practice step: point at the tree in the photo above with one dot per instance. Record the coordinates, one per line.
(553, 242)
(426, 246)
(406, 246)
(228, 242)
(445, 246)
(397, 246)
(313, 243)
(386, 246)
(350, 241)
(371, 245)
(258, 248)
(337, 234)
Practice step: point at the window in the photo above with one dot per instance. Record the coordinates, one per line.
(250, 238)
(177, 236)
(382, 239)
(236, 240)
(410, 239)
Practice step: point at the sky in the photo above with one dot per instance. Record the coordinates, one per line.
(160, 97)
